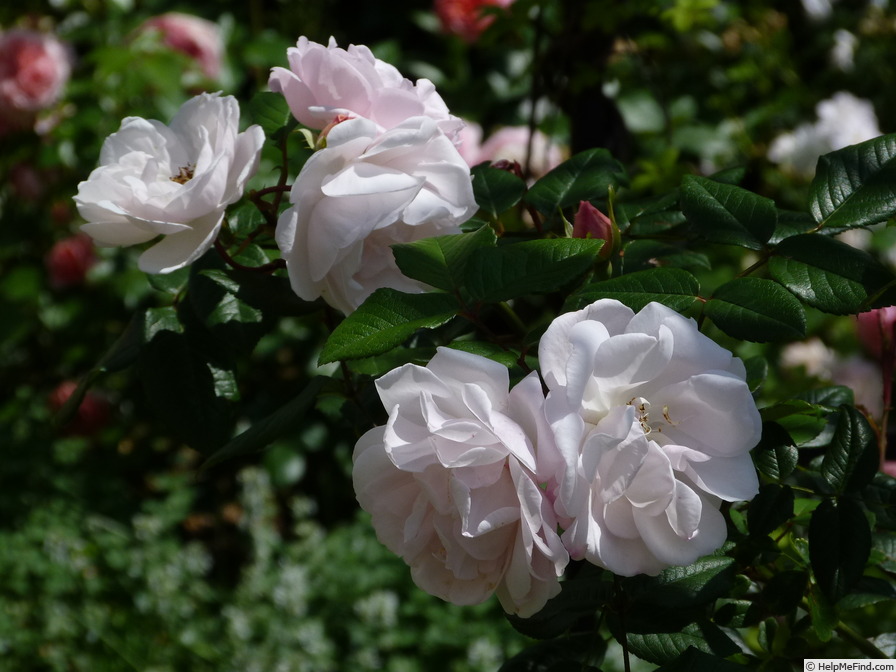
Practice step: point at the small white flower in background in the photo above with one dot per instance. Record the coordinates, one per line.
(362, 193)
(172, 181)
(324, 84)
(451, 482)
(654, 422)
(844, 49)
(818, 10)
(843, 120)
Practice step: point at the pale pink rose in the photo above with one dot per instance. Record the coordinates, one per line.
(323, 84)
(34, 69)
(193, 36)
(511, 144)
(654, 422)
(467, 18)
(451, 482)
(364, 192)
(170, 183)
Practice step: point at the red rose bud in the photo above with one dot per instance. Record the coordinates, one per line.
(92, 413)
(590, 222)
(877, 330)
(69, 260)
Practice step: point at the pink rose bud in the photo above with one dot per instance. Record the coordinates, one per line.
(877, 330)
(91, 416)
(466, 18)
(590, 222)
(198, 38)
(34, 69)
(69, 260)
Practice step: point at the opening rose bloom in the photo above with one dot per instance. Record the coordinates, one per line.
(171, 181)
(655, 423)
(34, 69)
(326, 83)
(451, 482)
(364, 192)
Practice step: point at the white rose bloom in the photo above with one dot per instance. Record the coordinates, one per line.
(173, 181)
(451, 482)
(364, 192)
(325, 83)
(654, 422)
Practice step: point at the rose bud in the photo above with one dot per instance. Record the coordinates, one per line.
(92, 413)
(590, 222)
(69, 260)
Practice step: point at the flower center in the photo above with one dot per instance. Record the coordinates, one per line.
(641, 406)
(184, 174)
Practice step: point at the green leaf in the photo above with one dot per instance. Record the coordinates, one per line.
(727, 214)
(665, 647)
(501, 273)
(839, 546)
(269, 110)
(282, 422)
(696, 584)
(831, 398)
(584, 177)
(828, 274)
(772, 507)
(441, 261)
(851, 460)
(648, 254)
(672, 287)
(496, 190)
(695, 660)
(385, 320)
(823, 614)
(486, 349)
(784, 591)
(170, 283)
(755, 309)
(776, 456)
(856, 185)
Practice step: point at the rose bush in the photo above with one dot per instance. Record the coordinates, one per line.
(323, 84)
(451, 482)
(34, 70)
(364, 192)
(655, 423)
(172, 181)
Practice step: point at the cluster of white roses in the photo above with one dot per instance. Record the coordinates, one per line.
(646, 426)
(645, 429)
(389, 172)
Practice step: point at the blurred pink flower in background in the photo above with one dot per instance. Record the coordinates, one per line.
(69, 260)
(466, 18)
(877, 330)
(193, 36)
(510, 143)
(34, 69)
(92, 413)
